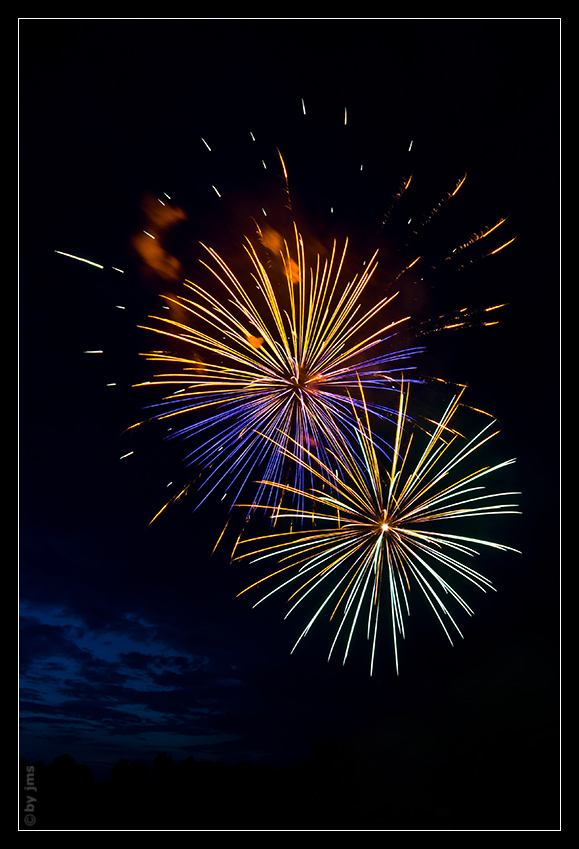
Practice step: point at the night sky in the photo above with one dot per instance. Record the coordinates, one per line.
(132, 639)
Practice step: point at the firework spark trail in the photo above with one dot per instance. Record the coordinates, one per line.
(279, 360)
(373, 541)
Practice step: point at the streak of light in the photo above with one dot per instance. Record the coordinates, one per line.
(172, 500)
(80, 259)
(372, 534)
(496, 250)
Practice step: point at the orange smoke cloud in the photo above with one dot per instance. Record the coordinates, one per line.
(159, 219)
(254, 341)
(273, 241)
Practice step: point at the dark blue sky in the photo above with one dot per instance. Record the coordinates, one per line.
(132, 640)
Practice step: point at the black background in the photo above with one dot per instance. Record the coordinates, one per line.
(132, 641)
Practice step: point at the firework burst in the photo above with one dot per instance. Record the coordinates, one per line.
(371, 539)
(273, 364)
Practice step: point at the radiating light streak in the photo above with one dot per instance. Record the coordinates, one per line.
(476, 237)
(459, 185)
(408, 267)
(80, 259)
(372, 536)
(171, 501)
(496, 250)
(279, 357)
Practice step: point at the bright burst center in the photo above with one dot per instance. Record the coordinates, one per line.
(273, 367)
(383, 524)
(375, 545)
(303, 381)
